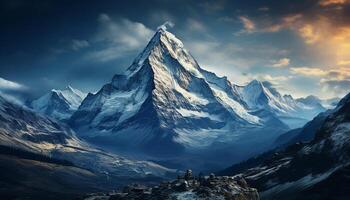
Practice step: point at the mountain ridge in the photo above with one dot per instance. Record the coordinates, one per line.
(59, 104)
(165, 103)
(306, 170)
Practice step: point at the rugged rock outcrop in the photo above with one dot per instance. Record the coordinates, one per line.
(189, 188)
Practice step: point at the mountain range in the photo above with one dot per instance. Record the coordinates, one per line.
(23, 129)
(166, 112)
(166, 104)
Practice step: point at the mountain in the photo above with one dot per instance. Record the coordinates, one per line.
(311, 100)
(304, 134)
(23, 129)
(318, 169)
(59, 104)
(308, 131)
(314, 101)
(163, 98)
(293, 112)
(330, 103)
(166, 104)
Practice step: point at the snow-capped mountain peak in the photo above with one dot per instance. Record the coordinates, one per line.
(179, 98)
(164, 42)
(258, 96)
(165, 97)
(59, 104)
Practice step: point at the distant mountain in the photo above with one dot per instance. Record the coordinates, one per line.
(315, 102)
(21, 128)
(318, 169)
(308, 131)
(330, 103)
(59, 104)
(293, 112)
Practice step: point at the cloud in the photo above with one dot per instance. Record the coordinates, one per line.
(324, 31)
(309, 34)
(333, 2)
(277, 81)
(79, 44)
(249, 25)
(283, 62)
(166, 24)
(226, 19)
(10, 85)
(12, 91)
(264, 9)
(337, 87)
(335, 80)
(213, 6)
(343, 62)
(195, 25)
(118, 38)
(309, 71)
(270, 78)
(339, 73)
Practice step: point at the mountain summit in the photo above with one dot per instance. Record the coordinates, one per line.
(59, 104)
(166, 102)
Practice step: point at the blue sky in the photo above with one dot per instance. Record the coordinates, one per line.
(302, 47)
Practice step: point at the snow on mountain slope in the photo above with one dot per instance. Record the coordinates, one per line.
(165, 100)
(293, 112)
(164, 95)
(59, 104)
(299, 171)
(313, 101)
(24, 129)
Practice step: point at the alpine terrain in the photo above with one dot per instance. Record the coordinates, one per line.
(59, 104)
(166, 104)
(318, 169)
(43, 142)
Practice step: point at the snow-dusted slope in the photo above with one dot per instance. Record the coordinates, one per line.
(24, 129)
(164, 95)
(59, 104)
(315, 102)
(293, 112)
(165, 100)
(314, 170)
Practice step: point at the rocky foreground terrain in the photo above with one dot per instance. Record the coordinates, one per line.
(186, 187)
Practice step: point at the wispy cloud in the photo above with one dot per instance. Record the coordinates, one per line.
(79, 44)
(333, 2)
(339, 73)
(10, 85)
(264, 9)
(309, 71)
(195, 25)
(248, 24)
(333, 80)
(117, 38)
(166, 25)
(12, 91)
(213, 6)
(283, 62)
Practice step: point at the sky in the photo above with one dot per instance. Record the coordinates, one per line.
(301, 47)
